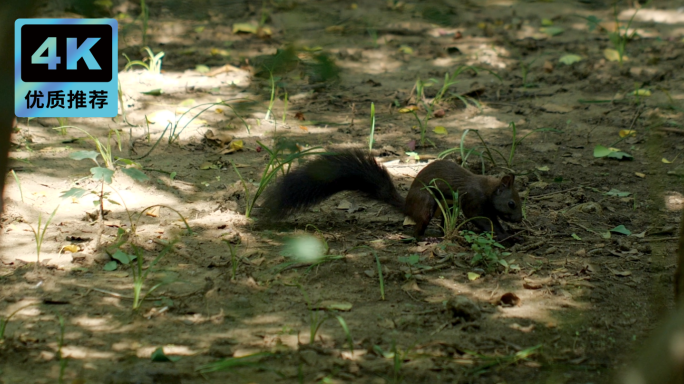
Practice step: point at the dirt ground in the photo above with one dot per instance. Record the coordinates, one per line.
(584, 298)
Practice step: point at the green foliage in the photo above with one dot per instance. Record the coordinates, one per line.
(318, 317)
(448, 206)
(487, 251)
(508, 160)
(621, 35)
(153, 67)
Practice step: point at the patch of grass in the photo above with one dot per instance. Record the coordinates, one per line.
(140, 273)
(621, 35)
(318, 317)
(5, 321)
(381, 280)
(276, 163)
(502, 361)
(153, 67)
(487, 152)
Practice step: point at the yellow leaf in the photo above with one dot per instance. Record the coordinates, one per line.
(236, 145)
(666, 161)
(264, 32)
(639, 174)
(472, 276)
(187, 103)
(70, 248)
(207, 165)
(219, 52)
(408, 109)
(406, 49)
(440, 130)
(335, 29)
(546, 22)
(627, 132)
(641, 92)
(245, 28)
(613, 55)
(219, 110)
(199, 29)
(353, 6)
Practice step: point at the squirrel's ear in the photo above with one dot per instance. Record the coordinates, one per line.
(507, 181)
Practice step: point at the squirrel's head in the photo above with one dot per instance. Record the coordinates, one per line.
(506, 200)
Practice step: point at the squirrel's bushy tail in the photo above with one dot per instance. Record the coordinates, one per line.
(328, 174)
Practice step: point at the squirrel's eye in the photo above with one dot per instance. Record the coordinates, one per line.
(511, 204)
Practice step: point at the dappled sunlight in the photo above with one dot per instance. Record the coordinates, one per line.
(227, 290)
(79, 352)
(674, 201)
(663, 16)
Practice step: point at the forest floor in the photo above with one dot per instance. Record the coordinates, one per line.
(585, 288)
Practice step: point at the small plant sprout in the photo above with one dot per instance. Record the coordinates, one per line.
(276, 164)
(619, 37)
(371, 137)
(140, 273)
(448, 206)
(4, 321)
(508, 160)
(487, 251)
(63, 361)
(319, 314)
(153, 67)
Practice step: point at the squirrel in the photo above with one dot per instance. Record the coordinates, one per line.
(353, 170)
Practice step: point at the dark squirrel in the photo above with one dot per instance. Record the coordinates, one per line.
(354, 170)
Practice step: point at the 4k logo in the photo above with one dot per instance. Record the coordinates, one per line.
(66, 68)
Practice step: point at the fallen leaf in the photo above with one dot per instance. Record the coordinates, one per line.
(544, 168)
(300, 116)
(641, 92)
(440, 130)
(245, 28)
(334, 305)
(627, 132)
(639, 174)
(406, 49)
(548, 66)
(621, 273)
(570, 59)
(554, 108)
(666, 161)
(411, 285)
(154, 92)
(622, 230)
(439, 113)
(552, 31)
(613, 55)
(335, 29)
(520, 328)
(71, 248)
(304, 128)
(472, 276)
